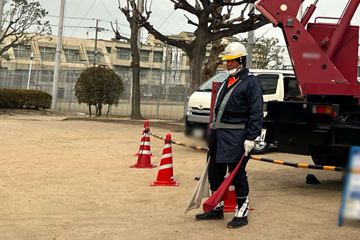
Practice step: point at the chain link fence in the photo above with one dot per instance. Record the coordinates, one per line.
(163, 94)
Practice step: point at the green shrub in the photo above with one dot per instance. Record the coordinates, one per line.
(19, 98)
(98, 86)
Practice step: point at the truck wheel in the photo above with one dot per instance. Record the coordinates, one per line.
(317, 159)
(260, 148)
(338, 160)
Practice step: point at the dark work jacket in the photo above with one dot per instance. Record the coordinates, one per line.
(245, 106)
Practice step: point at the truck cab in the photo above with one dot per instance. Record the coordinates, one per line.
(276, 86)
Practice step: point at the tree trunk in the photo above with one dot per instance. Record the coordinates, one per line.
(107, 113)
(135, 66)
(99, 109)
(214, 61)
(89, 110)
(195, 57)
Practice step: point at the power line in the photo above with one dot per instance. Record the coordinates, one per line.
(71, 17)
(80, 22)
(76, 11)
(166, 19)
(106, 9)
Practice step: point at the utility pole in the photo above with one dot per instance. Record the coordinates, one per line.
(96, 36)
(141, 10)
(1, 12)
(57, 57)
(250, 45)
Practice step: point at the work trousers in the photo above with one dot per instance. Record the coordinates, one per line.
(217, 172)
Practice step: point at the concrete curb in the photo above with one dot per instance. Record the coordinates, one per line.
(174, 127)
(72, 116)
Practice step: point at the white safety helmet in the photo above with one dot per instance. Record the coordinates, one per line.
(234, 50)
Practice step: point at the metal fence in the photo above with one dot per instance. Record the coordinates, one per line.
(163, 94)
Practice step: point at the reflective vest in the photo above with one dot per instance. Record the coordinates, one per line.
(216, 124)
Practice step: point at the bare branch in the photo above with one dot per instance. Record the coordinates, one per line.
(248, 25)
(191, 22)
(228, 3)
(205, 3)
(197, 5)
(178, 43)
(118, 36)
(183, 4)
(240, 18)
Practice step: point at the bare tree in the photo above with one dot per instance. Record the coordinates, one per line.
(132, 16)
(213, 62)
(22, 16)
(267, 53)
(211, 25)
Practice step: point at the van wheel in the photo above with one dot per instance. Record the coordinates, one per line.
(260, 148)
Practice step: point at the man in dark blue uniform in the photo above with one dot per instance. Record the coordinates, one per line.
(236, 123)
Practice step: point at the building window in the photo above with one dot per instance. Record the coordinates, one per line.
(72, 77)
(22, 51)
(123, 53)
(32, 76)
(121, 68)
(91, 55)
(61, 92)
(108, 49)
(144, 55)
(158, 56)
(47, 76)
(72, 55)
(144, 73)
(47, 53)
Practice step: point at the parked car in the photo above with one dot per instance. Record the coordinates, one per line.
(276, 84)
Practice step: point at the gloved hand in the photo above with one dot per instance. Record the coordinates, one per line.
(248, 146)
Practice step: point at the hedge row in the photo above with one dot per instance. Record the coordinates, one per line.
(19, 98)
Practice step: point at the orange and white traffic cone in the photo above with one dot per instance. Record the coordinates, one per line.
(144, 153)
(230, 204)
(165, 175)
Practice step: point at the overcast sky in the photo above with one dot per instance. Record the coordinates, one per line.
(81, 13)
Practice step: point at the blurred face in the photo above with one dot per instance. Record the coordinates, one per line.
(232, 64)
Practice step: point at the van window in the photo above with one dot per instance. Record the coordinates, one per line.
(268, 82)
(289, 84)
(207, 86)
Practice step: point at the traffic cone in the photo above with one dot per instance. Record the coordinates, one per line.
(230, 204)
(165, 175)
(145, 131)
(144, 153)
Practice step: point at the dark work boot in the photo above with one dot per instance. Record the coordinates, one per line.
(241, 213)
(237, 222)
(211, 215)
(215, 214)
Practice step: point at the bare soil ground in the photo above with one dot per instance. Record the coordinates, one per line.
(71, 180)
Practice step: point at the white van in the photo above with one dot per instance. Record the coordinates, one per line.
(275, 83)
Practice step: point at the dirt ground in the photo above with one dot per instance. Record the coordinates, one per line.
(71, 180)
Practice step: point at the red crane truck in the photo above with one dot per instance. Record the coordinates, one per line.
(322, 118)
